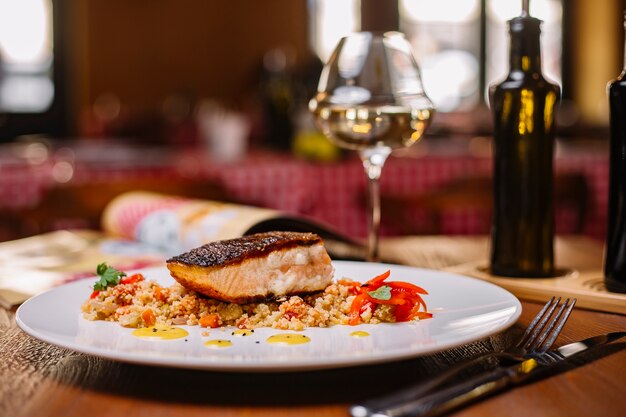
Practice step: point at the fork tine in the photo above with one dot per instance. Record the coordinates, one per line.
(549, 326)
(530, 341)
(559, 327)
(533, 323)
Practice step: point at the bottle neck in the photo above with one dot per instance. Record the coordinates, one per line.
(525, 51)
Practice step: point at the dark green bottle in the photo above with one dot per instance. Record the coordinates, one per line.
(523, 106)
(615, 251)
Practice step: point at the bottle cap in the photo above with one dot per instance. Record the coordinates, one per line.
(524, 24)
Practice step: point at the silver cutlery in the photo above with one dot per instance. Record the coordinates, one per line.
(487, 383)
(537, 338)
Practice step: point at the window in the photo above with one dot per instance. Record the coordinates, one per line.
(461, 45)
(445, 35)
(32, 97)
(332, 20)
(26, 56)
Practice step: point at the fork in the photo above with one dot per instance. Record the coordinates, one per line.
(534, 342)
(498, 379)
(541, 334)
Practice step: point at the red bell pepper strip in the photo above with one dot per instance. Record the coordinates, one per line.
(132, 279)
(394, 300)
(406, 298)
(406, 286)
(413, 297)
(377, 281)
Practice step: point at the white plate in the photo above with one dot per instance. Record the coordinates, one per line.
(465, 310)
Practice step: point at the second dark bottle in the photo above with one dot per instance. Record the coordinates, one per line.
(523, 106)
(615, 251)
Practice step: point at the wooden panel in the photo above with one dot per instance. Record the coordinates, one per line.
(145, 50)
(596, 61)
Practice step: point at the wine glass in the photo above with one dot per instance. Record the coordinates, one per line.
(370, 99)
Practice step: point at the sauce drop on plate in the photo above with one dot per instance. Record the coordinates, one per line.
(242, 332)
(161, 332)
(218, 343)
(288, 339)
(359, 333)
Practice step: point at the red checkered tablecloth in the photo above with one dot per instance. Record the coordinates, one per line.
(330, 193)
(336, 193)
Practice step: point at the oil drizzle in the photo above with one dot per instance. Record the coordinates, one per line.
(161, 332)
(218, 343)
(359, 333)
(288, 339)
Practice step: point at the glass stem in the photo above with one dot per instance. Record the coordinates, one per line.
(373, 162)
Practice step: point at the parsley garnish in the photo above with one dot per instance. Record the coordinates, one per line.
(109, 277)
(381, 293)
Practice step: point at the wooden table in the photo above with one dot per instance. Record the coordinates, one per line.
(37, 379)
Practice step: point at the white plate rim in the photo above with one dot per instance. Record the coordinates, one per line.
(271, 366)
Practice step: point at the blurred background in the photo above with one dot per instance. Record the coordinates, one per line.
(110, 95)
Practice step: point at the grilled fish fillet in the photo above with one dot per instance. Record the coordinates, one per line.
(255, 267)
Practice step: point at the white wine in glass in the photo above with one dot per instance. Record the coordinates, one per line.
(370, 99)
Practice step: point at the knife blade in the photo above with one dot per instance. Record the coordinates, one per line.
(487, 383)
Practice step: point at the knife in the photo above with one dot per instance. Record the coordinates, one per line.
(487, 383)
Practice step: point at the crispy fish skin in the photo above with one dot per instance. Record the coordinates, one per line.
(255, 267)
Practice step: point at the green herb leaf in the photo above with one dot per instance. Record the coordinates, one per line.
(381, 293)
(109, 277)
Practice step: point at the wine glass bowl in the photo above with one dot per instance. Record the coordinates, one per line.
(370, 98)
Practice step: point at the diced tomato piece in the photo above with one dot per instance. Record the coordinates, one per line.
(403, 312)
(94, 294)
(160, 294)
(355, 287)
(210, 320)
(290, 315)
(359, 304)
(148, 317)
